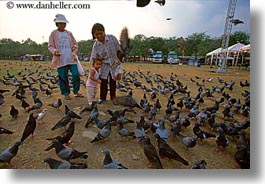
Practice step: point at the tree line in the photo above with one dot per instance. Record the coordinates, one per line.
(197, 44)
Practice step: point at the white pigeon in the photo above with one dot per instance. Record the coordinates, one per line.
(41, 115)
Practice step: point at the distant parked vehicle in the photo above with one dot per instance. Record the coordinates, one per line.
(173, 57)
(157, 57)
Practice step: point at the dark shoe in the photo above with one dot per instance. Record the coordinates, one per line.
(100, 101)
(79, 95)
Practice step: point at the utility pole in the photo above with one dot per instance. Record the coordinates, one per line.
(226, 36)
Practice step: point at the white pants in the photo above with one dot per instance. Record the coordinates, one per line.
(91, 93)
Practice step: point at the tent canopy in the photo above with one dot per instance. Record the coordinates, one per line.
(245, 48)
(236, 47)
(214, 52)
(233, 48)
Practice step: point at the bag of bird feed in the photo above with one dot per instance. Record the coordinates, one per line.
(118, 72)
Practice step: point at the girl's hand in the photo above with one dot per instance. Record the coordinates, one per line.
(99, 81)
(117, 62)
(74, 57)
(57, 53)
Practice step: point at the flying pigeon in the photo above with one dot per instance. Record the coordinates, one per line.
(237, 21)
(161, 2)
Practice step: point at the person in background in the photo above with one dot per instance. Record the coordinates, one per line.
(93, 80)
(63, 46)
(105, 48)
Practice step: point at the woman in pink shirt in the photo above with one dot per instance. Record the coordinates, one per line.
(63, 46)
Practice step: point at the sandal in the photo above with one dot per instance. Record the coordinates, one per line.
(67, 97)
(79, 95)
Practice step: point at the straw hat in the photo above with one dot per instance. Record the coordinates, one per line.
(60, 18)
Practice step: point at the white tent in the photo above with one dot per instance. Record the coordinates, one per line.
(214, 53)
(235, 49)
(245, 48)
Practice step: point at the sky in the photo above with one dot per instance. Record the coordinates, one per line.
(188, 17)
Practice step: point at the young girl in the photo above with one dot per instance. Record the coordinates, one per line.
(93, 80)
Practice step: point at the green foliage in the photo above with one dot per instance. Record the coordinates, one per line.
(197, 44)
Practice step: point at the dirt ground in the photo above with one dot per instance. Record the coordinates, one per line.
(128, 151)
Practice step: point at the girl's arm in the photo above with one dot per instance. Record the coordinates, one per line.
(92, 74)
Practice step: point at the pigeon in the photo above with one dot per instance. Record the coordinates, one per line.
(2, 99)
(72, 114)
(123, 132)
(221, 140)
(92, 116)
(103, 133)
(237, 21)
(127, 101)
(161, 2)
(57, 164)
(161, 129)
(65, 137)
(200, 164)
(5, 131)
(66, 109)
(38, 104)
(62, 122)
(41, 115)
(151, 154)
(29, 128)
(13, 112)
(200, 133)
(24, 104)
(57, 104)
(67, 153)
(9, 153)
(139, 132)
(166, 151)
(188, 142)
(89, 107)
(242, 157)
(2, 91)
(110, 163)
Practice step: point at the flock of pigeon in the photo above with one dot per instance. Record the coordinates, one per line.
(169, 112)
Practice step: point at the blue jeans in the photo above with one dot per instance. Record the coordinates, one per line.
(64, 80)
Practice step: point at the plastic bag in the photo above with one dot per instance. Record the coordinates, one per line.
(79, 67)
(118, 72)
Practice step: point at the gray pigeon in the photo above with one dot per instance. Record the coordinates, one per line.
(103, 133)
(57, 164)
(62, 122)
(110, 163)
(200, 164)
(9, 153)
(161, 129)
(67, 153)
(127, 101)
(92, 116)
(57, 104)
